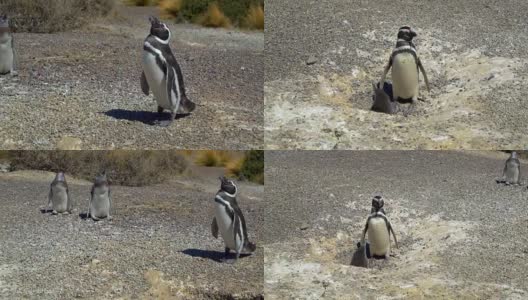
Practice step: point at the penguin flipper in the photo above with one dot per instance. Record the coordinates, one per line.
(144, 84)
(424, 74)
(214, 228)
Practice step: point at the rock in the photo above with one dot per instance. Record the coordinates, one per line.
(311, 60)
(69, 143)
(304, 226)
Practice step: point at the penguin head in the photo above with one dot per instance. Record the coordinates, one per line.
(406, 33)
(228, 186)
(4, 29)
(377, 202)
(60, 176)
(101, 179)
(159, 29)
(513, 154)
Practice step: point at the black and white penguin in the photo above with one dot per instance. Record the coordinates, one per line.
(230, 221)
(100, 199)
(59, 195)
(378, 228)
(405, 64)
(7, 48)
(512, 170)
(162, 74)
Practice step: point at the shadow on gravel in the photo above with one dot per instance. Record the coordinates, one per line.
(212, 255)
(145, 117)
(46, 210)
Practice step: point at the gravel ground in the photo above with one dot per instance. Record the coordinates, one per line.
(321, 57)
(81, 90)
(461, 235)
(158, 246)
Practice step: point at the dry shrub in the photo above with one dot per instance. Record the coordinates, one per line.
(170, 8)
(253, 167)
(130, 168)
(214, 17)
(213, 158)
(46, 16)
(254, 18)
(234, 167)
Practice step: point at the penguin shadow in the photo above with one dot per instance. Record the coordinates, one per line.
(145, 117)
(46, 210)
(83, 216)
(209, 254)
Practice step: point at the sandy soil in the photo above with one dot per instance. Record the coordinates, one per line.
(158, 246)
(320, 63)
(461, 235)
(81, 90)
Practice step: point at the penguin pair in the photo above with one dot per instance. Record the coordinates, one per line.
(7, 49)
(230, 221)
(378, 227)
(100, 203)
(511, 174)
(162, 73)
(405, 65)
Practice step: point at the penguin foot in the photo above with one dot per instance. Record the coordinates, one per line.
(163, 123)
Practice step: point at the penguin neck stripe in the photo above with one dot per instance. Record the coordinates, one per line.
(219, 199)
(148, 47)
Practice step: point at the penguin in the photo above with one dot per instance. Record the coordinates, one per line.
(230, 221)
(379, 229)
(361, 255)
(512, 171)
(381, 102)
(59, 195)
(8, 58)
(100, 200)
(162, 74)
(405, 64)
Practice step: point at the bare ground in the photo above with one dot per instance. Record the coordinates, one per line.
(80, 89)
(158, 245)
(474, 53)
(461, 235)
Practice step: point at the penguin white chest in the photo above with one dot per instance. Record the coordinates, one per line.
(59, 199)
(6, 58)
(100, 206)
(226, 227)
(378, 236)
(404, 76)
(156, 79)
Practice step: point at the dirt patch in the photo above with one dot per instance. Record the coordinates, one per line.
(332, 110)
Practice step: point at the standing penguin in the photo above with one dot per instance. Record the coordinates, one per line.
(59, 195)
(162, 74)
(405, 64)
(230, 221)
(379, 229)
(7, 48)
(100, 199)
(512, 170)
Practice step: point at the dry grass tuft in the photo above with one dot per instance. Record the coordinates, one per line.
(47, 16)
(234, 167)
(214, 17)
(131, 168)
(213, 158)
(170, 8)
(254, 18)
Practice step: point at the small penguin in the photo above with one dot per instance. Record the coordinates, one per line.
(381, 102)
(405, 64)
(512, 171)
(100, 200)
(379, 229)
(162, 74)
(8, 58)
(361, 255)
(59, 195)
(230, 221)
